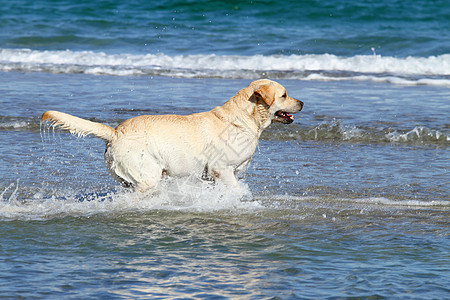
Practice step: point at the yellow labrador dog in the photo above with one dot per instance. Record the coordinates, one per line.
(216, 144)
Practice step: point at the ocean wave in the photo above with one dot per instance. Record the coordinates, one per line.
(336, 131)
(433, 70)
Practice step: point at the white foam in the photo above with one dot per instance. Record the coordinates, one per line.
(433, 70)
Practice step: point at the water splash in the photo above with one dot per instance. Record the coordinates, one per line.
(174, 194)
(185, 195)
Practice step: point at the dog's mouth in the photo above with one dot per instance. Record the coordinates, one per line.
(283, 117)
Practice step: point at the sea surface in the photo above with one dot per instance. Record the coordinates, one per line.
(351, 201)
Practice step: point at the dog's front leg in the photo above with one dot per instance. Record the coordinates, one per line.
(227, 176)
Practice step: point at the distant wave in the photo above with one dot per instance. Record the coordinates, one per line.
(433, 70)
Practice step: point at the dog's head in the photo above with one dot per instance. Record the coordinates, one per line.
(280, 106)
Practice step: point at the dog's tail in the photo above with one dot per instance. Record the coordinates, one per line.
(78, 126)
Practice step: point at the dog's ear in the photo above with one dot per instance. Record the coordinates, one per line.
(266, 93)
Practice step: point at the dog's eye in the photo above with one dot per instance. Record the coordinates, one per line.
(284, 95)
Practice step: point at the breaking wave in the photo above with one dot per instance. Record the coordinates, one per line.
(433, 70)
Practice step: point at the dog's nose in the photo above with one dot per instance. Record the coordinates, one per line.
(301, 105)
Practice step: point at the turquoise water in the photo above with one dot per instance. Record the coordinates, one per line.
(349, 201)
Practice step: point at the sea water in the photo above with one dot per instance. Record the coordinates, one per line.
(351, 200)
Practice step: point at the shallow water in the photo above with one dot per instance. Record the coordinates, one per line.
(352, 199)
(261, 253)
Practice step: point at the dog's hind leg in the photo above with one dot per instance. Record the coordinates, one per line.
(147, 187)
(146, 178)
